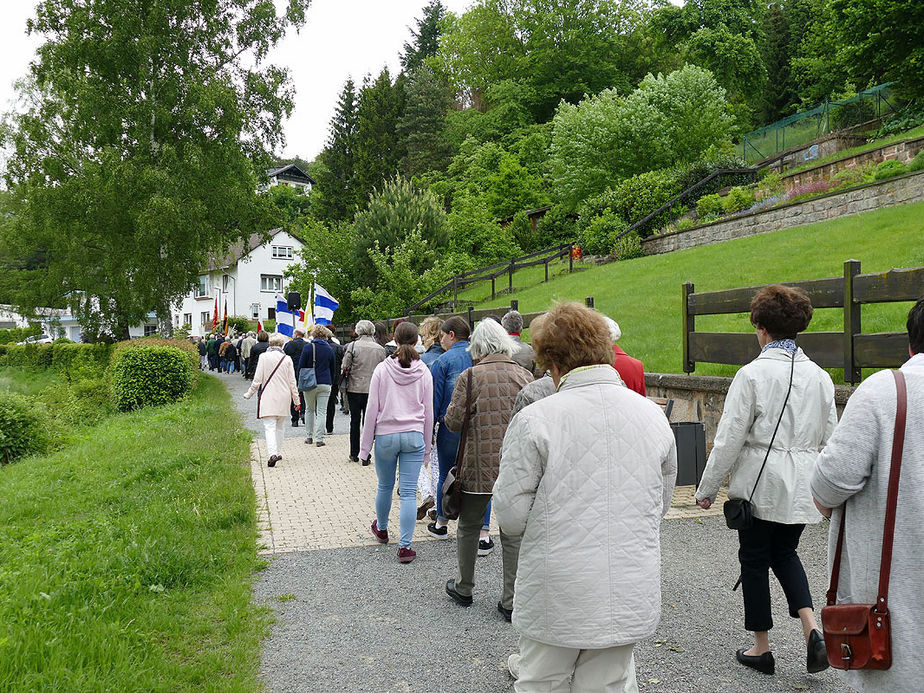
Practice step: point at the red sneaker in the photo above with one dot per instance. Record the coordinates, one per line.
(380, 534)
(406, 555)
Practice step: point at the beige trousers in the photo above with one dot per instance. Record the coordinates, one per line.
(550, 669)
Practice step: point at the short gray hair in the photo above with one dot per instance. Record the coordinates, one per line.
(489, 337)
(615, 332)
(276, 339)
(513, 321)
(365, 328)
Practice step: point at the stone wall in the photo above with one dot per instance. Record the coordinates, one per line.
(823, 147)
(893, 191)
(903, 151)
(702, 397)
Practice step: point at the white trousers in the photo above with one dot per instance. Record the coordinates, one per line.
(275, 428)
(550, 669)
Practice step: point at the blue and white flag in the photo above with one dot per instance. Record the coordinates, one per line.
(324, 306)
(284, 317)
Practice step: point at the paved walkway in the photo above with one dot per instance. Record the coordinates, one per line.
(349, 617)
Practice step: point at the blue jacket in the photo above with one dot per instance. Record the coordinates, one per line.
(323, 369)
(432, 354)
(445, 370)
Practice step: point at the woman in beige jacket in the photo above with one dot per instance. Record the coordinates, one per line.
(274, 383)
(359, 361)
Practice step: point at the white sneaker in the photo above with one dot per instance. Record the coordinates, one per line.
(485, 546)
(513, 665)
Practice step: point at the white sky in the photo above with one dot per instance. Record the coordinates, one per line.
(341, 38)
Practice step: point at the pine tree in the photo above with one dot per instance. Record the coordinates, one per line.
(336, 184)
(378, 145)
(429, 99)
(426, 38)
(779, 94)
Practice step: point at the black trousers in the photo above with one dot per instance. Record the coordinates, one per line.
(770, 546)
(358, 401)
(296, 415)
(331, 408)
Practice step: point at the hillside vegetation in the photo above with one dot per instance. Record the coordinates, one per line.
(644, 295)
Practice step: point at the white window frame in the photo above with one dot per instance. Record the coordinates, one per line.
(187, 319)
(203, 283)
(273, 281)
(206, 317)
(282, 252)
(255, 311)
(150, 330)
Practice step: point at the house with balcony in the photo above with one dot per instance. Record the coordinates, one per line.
(247, 278)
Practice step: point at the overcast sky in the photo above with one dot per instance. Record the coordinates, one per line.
(341, 38)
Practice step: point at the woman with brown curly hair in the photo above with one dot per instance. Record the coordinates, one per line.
(778, 415)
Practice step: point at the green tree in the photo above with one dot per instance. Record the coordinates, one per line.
(423, 123)
(426, 37)
(328, 257)
(378, 144)
(142, 148)
(779, 96)
(335, 194)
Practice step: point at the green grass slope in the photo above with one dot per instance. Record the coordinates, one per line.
(126, 558)
(644, 295)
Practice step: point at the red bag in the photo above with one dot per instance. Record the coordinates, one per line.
(859, 636)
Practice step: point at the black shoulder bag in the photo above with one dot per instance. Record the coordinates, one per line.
(738, 512)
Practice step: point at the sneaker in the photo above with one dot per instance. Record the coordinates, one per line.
(354, 459)
(439, 532)
(428, 503)
(380, 534)
(459, 599)
(485, 546)
(271, 462)
(406, 554)
(513, 665)
(320, 444)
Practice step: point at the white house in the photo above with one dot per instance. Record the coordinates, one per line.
(292, 176)
(248, 278)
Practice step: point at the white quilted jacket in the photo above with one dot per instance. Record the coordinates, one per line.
(586, 475)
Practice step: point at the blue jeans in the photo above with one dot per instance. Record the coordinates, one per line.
(447, 445)
(401, 452)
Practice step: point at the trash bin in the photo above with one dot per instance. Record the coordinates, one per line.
(691, 451)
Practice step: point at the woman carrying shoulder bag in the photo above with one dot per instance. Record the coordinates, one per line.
(399, 415)
(778, 415)
(274, 384)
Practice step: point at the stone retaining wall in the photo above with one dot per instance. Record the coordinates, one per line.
(893, 191)
(903, 151)
(702, 397)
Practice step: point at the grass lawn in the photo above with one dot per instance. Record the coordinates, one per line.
(644, 295)
(126, 558)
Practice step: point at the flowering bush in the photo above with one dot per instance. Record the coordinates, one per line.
(806, 190)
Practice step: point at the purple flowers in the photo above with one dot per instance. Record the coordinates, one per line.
(817, 187)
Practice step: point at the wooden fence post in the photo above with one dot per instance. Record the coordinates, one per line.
(470, 320)
(493, 293)
(455, 291)
(514, 304)
(571, 258)
(547, 270)
(510, 277)
(689, 325)
(589, 301)
(852, 326)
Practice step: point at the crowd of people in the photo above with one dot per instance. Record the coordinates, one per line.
(558, 439)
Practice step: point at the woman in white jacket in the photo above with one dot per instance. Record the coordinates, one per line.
(274, 383)
(780, 391)
(586, 475)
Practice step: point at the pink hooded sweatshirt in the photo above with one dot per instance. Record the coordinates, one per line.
(400, 401)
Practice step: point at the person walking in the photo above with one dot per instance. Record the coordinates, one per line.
(426, 482)
(851, 476)
(211, 348)
(230, 357)
(779, 413)
(586, 475)
(246, 345)
(337, 348)
(513, 323)
(274, 385)
(399, 415)
(293, 349)
(202, 348)
(317, 354)
(359, 362)
(257, 350)
(493, 383)
(454, 334)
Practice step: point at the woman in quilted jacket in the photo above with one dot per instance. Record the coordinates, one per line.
(586, 475)
(496, 379)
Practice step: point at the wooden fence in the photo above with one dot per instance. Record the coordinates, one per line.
(850, 349)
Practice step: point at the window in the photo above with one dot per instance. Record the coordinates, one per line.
(150, 330)
(224, 282)
(255, 311)
(270, 282)
(283, 252)
(203, 288)
(187, 319)
(206, 317)
(270, 313)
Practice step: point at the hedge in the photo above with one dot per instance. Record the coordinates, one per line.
(21, 428)
(63, 356)
(149, 374)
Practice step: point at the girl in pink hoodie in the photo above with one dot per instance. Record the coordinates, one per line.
(400, 417)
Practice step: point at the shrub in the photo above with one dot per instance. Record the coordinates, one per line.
(598, 236)
(237, 323)
(888, 169)
(709, 205)
(917, 163)
(908, 118)
(685, 223)
(149, 375)
(738, 199)
(21, 429)
(557, 226)
(769, 185)
(638, 196)
(847, 178)
(18, 334)
(628, 247)
(807, 190)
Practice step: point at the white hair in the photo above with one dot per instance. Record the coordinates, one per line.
(365, 328)
(277, 339)
(489, 337)
(615, 332)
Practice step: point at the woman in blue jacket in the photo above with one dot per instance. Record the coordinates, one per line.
(319, 355)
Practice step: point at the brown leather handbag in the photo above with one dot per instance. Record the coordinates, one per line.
(452, 486)
(859, 636)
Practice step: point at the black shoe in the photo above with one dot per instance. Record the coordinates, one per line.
(485, 546)
(366, 462)
(354, 459)
(295, 423)
(271, 462)
(506, 613)
(763, 663)
(437, 531)
(816, 658)
(459, 599)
